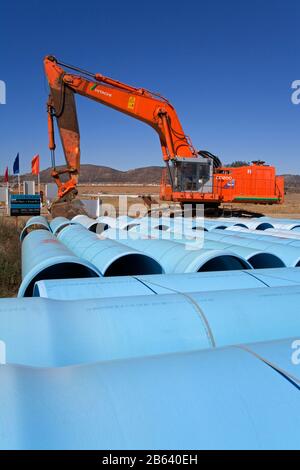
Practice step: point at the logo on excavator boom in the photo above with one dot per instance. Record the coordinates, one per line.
(101, 92)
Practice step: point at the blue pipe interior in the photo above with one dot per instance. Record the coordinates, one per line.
(133, 264)
(60, 271)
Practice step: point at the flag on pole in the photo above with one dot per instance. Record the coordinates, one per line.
(35, 165)
(16, 166)
(6, 175)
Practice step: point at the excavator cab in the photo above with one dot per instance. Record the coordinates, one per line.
(191, 175)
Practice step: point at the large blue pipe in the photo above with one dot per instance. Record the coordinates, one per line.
(231, 398)
(166, 223)
(76, 289)
(44, 257)
(60, 223)
(48, 333)
(262, 223)
(110, 257)
(87, 222)
(283, 224)
(257, 258)
(253, 224)
(35, 223)
(218, 224)
(122, 222)
(283, 233)
(175, 258)
(283, 238)
(288, 254)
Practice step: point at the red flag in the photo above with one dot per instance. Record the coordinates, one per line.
(35, 165)
(6, 175)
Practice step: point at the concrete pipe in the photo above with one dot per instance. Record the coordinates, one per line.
(110, 257)
(44, 257)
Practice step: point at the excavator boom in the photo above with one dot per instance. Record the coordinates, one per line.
(190, 176)
(138, 103)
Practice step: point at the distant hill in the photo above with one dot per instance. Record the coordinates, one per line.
(104, 174)
(292, 183)
(145, 175)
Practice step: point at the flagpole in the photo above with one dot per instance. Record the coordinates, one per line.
(7, 183)
(39, 184)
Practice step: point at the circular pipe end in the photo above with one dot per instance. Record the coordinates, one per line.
(133, 265)
(266, 260)
(30, 228)
(224, 263)
(264, 226)
(56, 270)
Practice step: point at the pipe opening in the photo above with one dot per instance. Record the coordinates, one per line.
(135, 264)
(130, 226)
(32, 228)
(264, 226)
(101, 227)
(60, 271)
(93, 227)
(162, 227)
(61, 228)
(240, 225)
(221, 227)
(199, 228)
(223, 263)
(266, 260)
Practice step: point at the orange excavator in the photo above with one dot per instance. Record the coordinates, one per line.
(189, 176)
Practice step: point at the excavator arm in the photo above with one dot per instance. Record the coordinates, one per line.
(138, 103)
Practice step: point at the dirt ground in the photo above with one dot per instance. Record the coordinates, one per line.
(10, 257)
(109, 194)
(290, 209)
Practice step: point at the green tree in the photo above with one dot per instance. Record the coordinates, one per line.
(237, 163)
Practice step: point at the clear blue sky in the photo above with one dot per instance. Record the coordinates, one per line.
(227, 67)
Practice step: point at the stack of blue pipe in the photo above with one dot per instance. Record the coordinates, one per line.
(95, 359)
